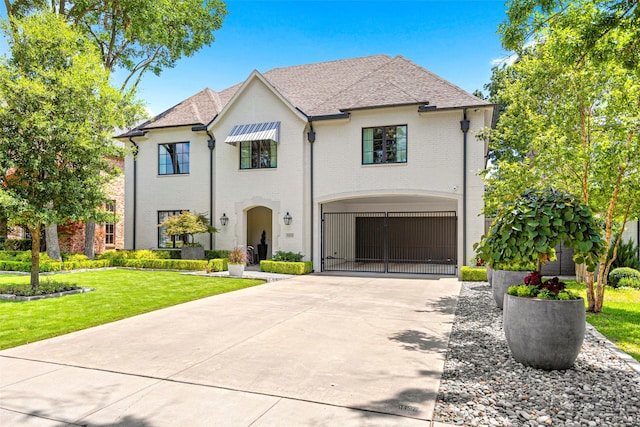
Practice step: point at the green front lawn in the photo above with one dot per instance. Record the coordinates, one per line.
(619, 319)
(119, 294)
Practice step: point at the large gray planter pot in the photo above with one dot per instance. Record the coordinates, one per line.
(236, 270)
(192, 252)
(501, 281)
(544, 334)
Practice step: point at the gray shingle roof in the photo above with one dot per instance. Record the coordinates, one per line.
(331, 87)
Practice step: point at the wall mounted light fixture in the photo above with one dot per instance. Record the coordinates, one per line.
(287, 219)
(224, 219)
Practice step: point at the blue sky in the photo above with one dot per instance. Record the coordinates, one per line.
(455, 39)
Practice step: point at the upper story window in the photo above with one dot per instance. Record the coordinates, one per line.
(258, 154)
(384, 144)
(173, 159)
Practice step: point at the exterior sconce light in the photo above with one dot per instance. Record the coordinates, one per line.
(224, 219)
(287, 219)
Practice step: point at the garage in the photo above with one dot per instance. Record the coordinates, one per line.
(422, 242)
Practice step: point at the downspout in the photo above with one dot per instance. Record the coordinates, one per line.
(311, 137)
(211, 143)
(135, 186)
(464, 127)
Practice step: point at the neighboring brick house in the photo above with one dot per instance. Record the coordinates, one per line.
(363, 164)
(107, 236)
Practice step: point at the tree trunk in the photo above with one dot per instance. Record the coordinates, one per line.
(35, 257)
(591, 295)
(53, 245)
(89, 238)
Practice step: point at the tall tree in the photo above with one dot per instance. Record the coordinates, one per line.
(132, 35)
(578, 113)
(56, 122)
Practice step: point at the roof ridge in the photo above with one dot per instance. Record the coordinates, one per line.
(335, 95)
(327, 62)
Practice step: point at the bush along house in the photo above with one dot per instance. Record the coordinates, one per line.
(366, 164)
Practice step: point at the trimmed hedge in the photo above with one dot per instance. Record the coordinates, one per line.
(474, 274)
(217, 253)
(617, 274)
(304, 267)
(51, 266)
(217, 264)
(161, 264)
(629, 282)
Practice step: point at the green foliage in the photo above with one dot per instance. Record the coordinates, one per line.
(187, 224)
(530, 291)
(161, 264)
(626, 255)
(528, 229)
(74, 257)
(474, 274)
(287, 256)
(216, 253)
(296, 268)
(53, 266)
(629, 282)
(128, 254)
(16, 245)
(45, 288)
(618, 274)
(167, 253)
(217, 264)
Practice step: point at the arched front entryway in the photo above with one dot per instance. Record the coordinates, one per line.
(259, 221)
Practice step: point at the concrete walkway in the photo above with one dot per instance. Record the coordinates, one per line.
(311, 350)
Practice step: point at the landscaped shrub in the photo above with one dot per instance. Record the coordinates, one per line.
(141, 254)
(17, 245)
(629, 282)
(167, 253)
(8, 255)
(217, 264)
(474, 274)
(86, 264)
(15, 266)
(626, 256)
(74, 257)
(287, 256)
(46, 287)
(162, 264)
(216, 253)
(271, 266)
(618, 273)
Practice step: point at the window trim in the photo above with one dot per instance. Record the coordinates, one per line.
(174, 160)
(171, 239)
(273, 145)
(384, 132)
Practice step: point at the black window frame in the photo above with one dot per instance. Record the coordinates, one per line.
(177, 166)
(172, 239)
(385, 149)
(273, 146)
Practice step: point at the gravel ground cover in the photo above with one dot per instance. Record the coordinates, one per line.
(483, 386)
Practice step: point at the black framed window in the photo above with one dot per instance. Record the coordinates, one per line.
(165, 240)
(384, 144)
(173, 159)
(110, 227)
(258, 154)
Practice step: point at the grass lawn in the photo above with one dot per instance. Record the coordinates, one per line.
(119, 294)
(620, 317)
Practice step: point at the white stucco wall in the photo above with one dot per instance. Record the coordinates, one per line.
(157, 192)
(282, 189)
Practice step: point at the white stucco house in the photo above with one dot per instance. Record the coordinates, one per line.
(373, 161)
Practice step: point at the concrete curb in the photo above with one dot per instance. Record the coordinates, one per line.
(633, 363)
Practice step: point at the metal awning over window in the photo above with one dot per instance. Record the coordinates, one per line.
(254, 132)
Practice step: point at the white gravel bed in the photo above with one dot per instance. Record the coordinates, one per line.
(483, 386)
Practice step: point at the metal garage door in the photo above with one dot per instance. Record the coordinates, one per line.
(390, 242)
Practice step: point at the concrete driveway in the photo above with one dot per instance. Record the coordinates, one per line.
(311, 350)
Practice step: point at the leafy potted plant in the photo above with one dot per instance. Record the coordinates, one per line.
(237, 259)
(526, 231)
(188, 224)
(544, 323)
